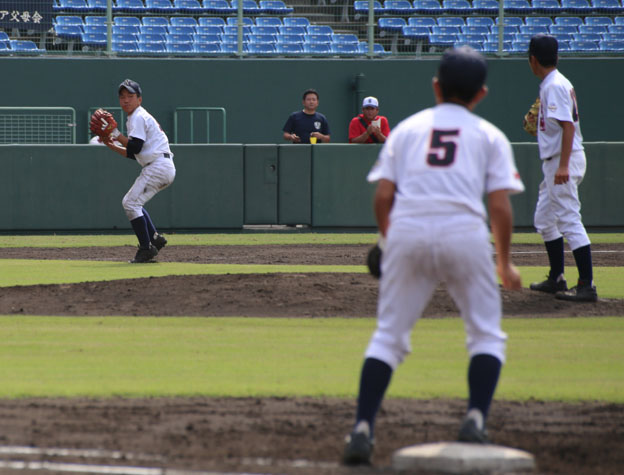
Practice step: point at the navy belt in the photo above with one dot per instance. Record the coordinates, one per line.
(168, 155)
(549, 158)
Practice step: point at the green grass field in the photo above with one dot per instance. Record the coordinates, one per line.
(548, 359)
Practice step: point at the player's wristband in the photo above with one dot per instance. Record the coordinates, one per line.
(115, 133)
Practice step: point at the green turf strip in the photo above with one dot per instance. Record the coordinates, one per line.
(548, 359)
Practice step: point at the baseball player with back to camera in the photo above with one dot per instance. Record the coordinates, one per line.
(432, 174)
(148, 145)
(558, 209)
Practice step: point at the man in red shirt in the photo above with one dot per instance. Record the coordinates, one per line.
(369, 127)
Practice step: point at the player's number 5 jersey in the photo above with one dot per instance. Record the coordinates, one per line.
(443, 160)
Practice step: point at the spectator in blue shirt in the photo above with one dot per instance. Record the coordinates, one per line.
(301, 125)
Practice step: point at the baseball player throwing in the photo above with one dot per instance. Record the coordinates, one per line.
(147, 144)
(432, 174)
(558, 210)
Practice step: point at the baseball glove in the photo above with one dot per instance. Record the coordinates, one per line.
(529, 123)
(103, 124)
(373, 261)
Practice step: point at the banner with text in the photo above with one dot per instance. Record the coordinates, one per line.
(27, 15)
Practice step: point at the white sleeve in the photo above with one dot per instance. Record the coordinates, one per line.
(137, 127)
(559, 104)
(384, 167)
(502, 173)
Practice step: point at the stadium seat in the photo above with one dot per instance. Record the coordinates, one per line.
(264, 30)
(181, 30)
(233, 30)
(442, 40)
(477, 46)
(207, 48)
(526, 37)
(94, 29)
(296, 21)
(377, 48)
(188, 7)
(78, 6)
(211, 21)
(201, 38)
(159, 6)
(507, 29)
(616, 28)
(250, 7)
(269, 21)
(226, 38)
(69, 32)
(319, 30)
(96, 6)
(470, 39)
(343, 49)
(151, 38)
(456, 7)
(135, 7)
(397, 7)
(361, 7)
(317, 48)
(563, 37)
(450, 21)
(289, 48)
(218, 7)
(485, 7)
(231, 48)
(445, 30)
(492, 46)
(265, 39)
(274, 7)
(290, 39)
(427, 7)
(174, 38)
(345, 38)
(95, 20)
(94, 39)
(583, 46)
(234, 21)
(119, 29)
(598, 20)
(587, 37)
(577, 7)
(127, 48)
(613, 36)
(480, 21)
(69, 20)
(568, 20)
(533, 29)
(493, 37)
(600, 29)
(392, 25)
(611, 46)
(416, 33)
(317, 39)
(261, 48)
(562, 29)
(157, 48)
(188, 21)
(125, 38)
(539, 21)
(609, 7)
(475, 30)
(178, 48)
(154, 29)
(520, 46)
(154, 21)
(511, 21)
(548, 7)
(520, 7)
(421, 21)
(127, 20)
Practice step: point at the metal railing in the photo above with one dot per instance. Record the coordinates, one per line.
(192, 125)
(37, 125)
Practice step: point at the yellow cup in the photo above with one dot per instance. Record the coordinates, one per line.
(312, 139)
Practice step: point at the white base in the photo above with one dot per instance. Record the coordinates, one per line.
(458, 457)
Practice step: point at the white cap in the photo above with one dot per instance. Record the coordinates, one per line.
(370, 101)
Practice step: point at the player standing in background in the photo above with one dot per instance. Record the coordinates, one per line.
(432, 175)
(147, 144)
(558, 210)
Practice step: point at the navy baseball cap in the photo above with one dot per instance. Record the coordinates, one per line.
(462, 73)
(131, 86)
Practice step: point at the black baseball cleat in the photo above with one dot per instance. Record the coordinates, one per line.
(145, 255)
(159, 241)
(582, 292)
(469, 432)
(359, 446)
(550, 286)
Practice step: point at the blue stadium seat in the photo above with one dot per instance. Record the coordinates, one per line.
(539, 21)
(421, 21)
(154, 29)
(520, 7)
(94, 39)
(154, 48)
(592, 29)
(377, 48)
(227, 38)
(94, 29)
(610, 7)
(562, 29)
(533, 29)
(563, 37)
(345, 49)
(611, 46)
(180, 48)
(127, 48)
(155, 21)
(507, 29)
(512, 21)
(159, 6)
(392, 25)
(549, 7)
(174, 38)
(183, 21)
(475, 30)
(317, 39)
(266, 39)
(78, 6)
(211, 21)
(442, 40)
(427, 7)
(289, 39)
(445, 30)
(613, 36)
(317, 48)
(493, 37)
(398, 7)
(231, 48)
(416, 33)
(450, 21)
(588, 37)
(361, 7)
(581, 7)
(181, 30)
(345, 38)
(207, 48)
(292, 30)
(96, 6)
(289, 48)
(262, 48)
(269, 21)
(191, 7)
(233, 30)
(485, 7)
(69, 20)
(201, 38)
(135, 7)
(125, 38)
(598, 20)
(69, 32)
(319, 30)
(520, 46)
(119, 29)
(218, 7)
(94, 20)
(247, 21)
(264, 30)
(583, 46)
(477, 46)
(568, 20)
(250, 7)
(480, 21)
(523, 37)
(616, 28)
(151, 38)
(492, 46)
(470, 39)
(456, 7)
(296, 21)
(127, 20)
(274, 7)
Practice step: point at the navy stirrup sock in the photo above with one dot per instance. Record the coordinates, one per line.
(374, 381)
(140, 229)
(583, 259)
(555, 257)
(483, 373)
(151, 229)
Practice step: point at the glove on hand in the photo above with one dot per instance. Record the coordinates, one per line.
(529, 123)
(373, 260)
(104, 124)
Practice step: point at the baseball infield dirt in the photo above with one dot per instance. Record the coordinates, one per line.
(298, 436)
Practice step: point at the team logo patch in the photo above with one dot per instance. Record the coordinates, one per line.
(552, 107)
(317, 125)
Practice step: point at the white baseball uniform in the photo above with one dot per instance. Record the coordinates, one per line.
(558, 210)
(443, 160)
(155, 157)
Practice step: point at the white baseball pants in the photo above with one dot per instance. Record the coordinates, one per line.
(154, 177)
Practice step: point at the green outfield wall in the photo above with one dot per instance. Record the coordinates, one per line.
(259, 94)
(80, 187)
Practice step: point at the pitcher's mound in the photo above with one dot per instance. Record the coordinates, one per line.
(457, 457)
